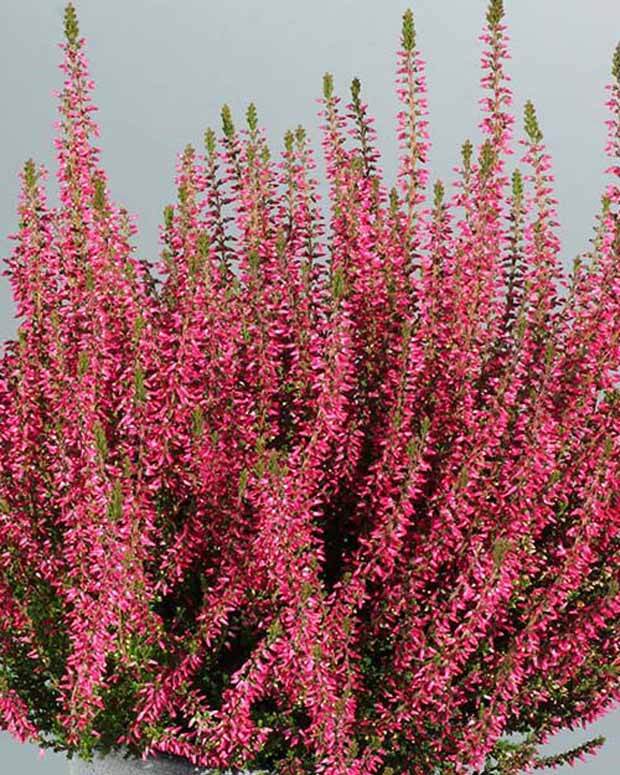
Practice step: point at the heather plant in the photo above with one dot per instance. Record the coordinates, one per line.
(321, 492)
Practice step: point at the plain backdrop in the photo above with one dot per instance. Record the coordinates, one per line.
(163, 69)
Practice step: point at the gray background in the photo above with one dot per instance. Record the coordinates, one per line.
(163, 69)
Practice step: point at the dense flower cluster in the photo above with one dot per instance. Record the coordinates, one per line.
(328, 497)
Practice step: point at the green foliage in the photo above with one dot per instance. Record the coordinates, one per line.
(129, 271)
(509, 756)
(183, 195)
(83, 362)
(300, 134)
(228, 126)
(615, 67)
(99, 194)
(289, 140)
(31, 176)
(501, 547)
(467, 150)
(72, 30)
(203, 244)
(138, 327)
(495, 12)
(254, 260)
(408, 31)
(101, 441)
(89, 278)
(252, 117)
(198, 422)
(517, 186)
(36, 681)
(328, 86)
(189, 154)
(168, 216)
(571, 756)
(438, 193)
(243, 482)
(115, 504)
(139, 385)
(532, 129)
(393, 200)
(339, 285)
(277, 749)
(210, 142)
(487, 158)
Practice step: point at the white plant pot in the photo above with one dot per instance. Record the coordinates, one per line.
(115, 764)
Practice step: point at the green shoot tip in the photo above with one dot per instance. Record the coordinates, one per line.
(227, 123)
(210, 141)
(328, 86)
(30, 174)
(517, 185)
(495, 12)
(439, 192)
(408, 31)
(252, 117)
(532, 129)
(467, 150)
(393, 200)
(72, 29)
(615, 67)
(487, 158)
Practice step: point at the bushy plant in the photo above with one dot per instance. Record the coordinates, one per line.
(319, 495)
